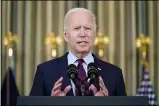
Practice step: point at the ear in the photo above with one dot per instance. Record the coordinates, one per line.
(66, 36)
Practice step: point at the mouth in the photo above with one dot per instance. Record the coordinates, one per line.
(82, 42)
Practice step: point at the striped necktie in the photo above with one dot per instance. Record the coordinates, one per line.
(82, 76)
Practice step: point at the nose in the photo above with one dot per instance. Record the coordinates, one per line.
(82, 32)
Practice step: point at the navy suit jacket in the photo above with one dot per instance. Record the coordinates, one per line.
(50, 71)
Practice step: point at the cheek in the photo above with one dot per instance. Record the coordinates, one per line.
(72, 38)
(92, 37)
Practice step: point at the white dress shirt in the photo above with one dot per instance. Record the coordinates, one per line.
(72, 60)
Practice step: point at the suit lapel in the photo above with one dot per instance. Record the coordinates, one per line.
(63, 69)
(98, 63)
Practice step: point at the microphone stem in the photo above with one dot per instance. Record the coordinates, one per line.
(82, 89)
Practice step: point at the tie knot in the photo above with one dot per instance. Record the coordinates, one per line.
(80, 61)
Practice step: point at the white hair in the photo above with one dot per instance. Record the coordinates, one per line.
(78, 10)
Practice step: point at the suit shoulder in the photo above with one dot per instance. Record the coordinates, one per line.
(110, 67)
(50, 62)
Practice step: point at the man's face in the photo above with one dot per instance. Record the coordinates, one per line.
(80, 32)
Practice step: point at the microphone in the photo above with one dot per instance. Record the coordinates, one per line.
(72, 73)
(92, 72)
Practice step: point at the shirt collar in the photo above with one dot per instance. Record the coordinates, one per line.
(72, 58)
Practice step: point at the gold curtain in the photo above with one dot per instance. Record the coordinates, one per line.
(121, 21)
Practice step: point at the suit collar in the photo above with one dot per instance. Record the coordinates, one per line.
(97, 61)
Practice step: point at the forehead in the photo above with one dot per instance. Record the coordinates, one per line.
(80, 18)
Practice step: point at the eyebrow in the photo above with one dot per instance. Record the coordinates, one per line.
(85, 26)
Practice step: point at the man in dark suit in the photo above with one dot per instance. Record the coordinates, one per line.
(79, 32)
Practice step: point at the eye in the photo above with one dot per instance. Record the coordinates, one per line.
(76, 28)
(87, 28)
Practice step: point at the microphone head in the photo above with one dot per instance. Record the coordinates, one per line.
(72, 71)
(92, 71)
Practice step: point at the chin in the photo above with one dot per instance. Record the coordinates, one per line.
(83, 51)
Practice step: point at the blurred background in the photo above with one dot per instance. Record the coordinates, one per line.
(127, 36)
